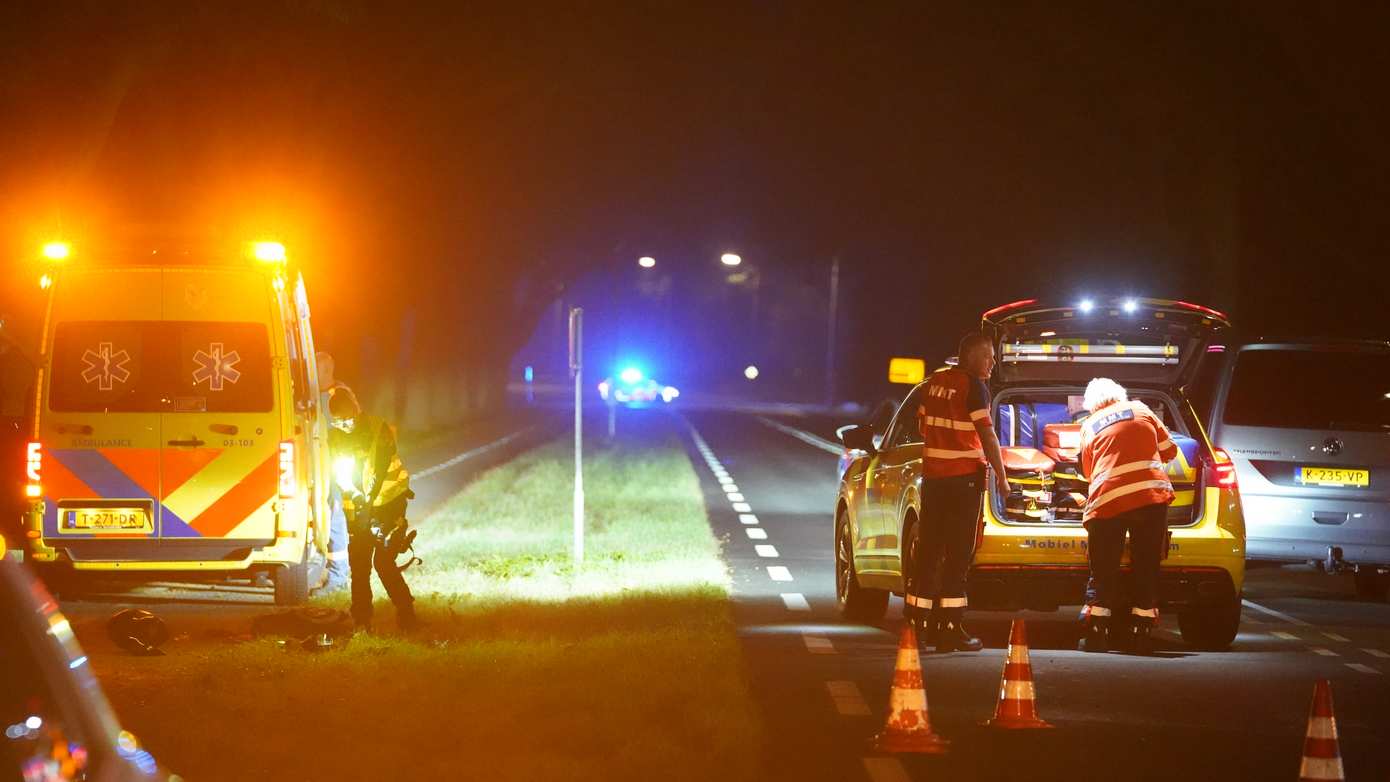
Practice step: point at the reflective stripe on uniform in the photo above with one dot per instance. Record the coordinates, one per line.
(1121, 469)
(980, 414)
(947, 423)
(1152, 613)
(918, 602)
(1121, 491)
(1095, 611)
(338, 556)
(952, 602)
(942, 453)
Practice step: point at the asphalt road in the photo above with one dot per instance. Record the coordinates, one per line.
(823, 683)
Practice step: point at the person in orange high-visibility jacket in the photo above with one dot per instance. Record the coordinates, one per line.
(1124, 448)
(958, 444)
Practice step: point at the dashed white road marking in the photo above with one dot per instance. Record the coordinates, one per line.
(778, 573)
(817, 644)
(742, 507)
(1359, 668)
(1284, 635)
(884, 769)
(795, 601)
(1293, 620)
(766, 550)
(729, 485)
(1377, 653)
(748, 518)
(734, 496)
(804, 436)
(848, 701)
(466, 455)
(756, 533)
(1325, 652)
(1336, 637)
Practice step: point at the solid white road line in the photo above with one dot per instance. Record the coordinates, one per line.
(1293, 620)
(756, 533)
(1323, 651)
(1362, 668)
(817, 644)
(466, 455)
(805, 436)
(885, 769)
(1284, 635)
(795, 601)
(748, 518)
(778, 573)
(734, 496)
(1377, 653)
(847, 699)
(766, 550)
(742, 507)
(1335, 637)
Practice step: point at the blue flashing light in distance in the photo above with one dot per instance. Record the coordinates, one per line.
(529, 373)
(631, 375)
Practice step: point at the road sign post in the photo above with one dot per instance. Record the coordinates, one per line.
(576, 349)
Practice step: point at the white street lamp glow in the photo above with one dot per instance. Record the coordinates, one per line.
(1087, 305)
(646, 262)
(1130, 305)
(730, 259)
(751, 372)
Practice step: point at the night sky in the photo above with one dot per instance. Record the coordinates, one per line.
(457, 170)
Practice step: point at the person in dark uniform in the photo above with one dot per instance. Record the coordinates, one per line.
(375, 489)
(959, 445)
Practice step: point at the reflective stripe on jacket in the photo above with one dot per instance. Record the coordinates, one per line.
(953, 408)
(1124, 448)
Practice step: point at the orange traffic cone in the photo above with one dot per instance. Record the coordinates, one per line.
(1016, 708)
(1322, 757)
(908, 728)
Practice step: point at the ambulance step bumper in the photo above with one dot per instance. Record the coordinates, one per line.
(1044, 588)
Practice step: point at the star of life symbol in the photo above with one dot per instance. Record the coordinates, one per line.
(216, 367)
(105, 367)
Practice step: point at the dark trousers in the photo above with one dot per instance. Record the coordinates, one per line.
(946, 537)
(1147, 527)
(364, 552)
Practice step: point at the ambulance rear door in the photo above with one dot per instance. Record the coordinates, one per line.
(222, 420)
(100, 416)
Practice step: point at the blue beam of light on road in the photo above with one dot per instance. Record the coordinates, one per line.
(798, 628)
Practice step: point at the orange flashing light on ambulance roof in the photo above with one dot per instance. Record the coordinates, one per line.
(268, 252)
(56, 251)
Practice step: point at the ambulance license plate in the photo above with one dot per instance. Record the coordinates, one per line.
(107, 519)
(1333, 476)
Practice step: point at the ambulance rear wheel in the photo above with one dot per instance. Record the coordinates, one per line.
(1211, 626)
(856, 603)
(291, 584)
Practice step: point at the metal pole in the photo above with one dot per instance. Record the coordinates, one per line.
(576, 342)
(830, 331)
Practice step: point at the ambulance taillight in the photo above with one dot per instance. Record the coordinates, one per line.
(33, 470)
(289, 481)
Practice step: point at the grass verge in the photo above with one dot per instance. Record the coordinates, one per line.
(626, 668)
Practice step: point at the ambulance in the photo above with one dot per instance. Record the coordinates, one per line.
(177, 431)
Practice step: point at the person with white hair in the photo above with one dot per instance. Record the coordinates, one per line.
(1124, 450)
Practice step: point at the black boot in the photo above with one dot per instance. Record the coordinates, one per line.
(1095, 634)
(951, 635)
(1140, 636)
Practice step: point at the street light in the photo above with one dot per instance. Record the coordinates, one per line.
(646, 262)
(751, 372)
(730, 259)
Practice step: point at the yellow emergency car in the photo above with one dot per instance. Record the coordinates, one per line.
(177, 424)
(1031, 549)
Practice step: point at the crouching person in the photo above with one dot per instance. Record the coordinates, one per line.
(375, 489)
